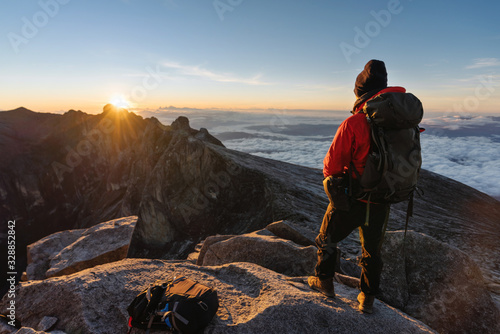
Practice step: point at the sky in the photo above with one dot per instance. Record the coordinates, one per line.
(57, 55)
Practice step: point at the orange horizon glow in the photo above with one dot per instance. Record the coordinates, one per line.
(431, 104)
(97, 106)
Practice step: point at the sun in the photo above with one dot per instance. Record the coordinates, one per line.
(120, 101)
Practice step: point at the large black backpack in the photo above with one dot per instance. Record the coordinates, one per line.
(179, 304)
(394, 162)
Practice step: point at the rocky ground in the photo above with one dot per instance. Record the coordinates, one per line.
(260, 279)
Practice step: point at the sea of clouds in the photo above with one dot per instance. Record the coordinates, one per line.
(466, 149)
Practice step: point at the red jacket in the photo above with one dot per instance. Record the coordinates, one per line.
(351, 142)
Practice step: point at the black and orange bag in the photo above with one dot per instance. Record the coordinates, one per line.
(179, 304)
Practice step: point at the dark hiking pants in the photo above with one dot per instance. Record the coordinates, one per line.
(337, 225)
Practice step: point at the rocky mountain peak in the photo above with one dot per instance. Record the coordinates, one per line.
(70, 171)
(20, 111)
(181, 123)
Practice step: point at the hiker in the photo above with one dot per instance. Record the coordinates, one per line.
(350, 149)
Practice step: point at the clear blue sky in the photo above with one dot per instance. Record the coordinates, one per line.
(62, 54)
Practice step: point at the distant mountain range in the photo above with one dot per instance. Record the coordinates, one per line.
(75, 170)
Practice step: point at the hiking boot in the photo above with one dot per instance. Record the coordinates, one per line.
(365, 302)
(325, 286)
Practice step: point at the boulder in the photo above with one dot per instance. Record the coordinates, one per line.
(71, 251)
(276, 247)
(262, 248)
(41, 252)
(252, 300)
(286, 229)
(437, 284)
(103, 243)
(205, 245)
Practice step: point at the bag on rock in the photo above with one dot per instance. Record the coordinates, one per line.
(178, 304)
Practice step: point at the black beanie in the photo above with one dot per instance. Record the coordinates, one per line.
(374, 76)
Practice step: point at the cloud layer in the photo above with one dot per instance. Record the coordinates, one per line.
(474, 161)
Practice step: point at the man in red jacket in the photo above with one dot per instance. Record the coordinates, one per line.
(352, 144)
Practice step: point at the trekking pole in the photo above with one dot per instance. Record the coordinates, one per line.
(409, 213)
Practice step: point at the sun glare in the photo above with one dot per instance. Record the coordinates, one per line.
(119, 101)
